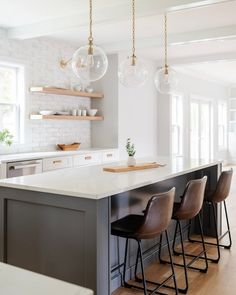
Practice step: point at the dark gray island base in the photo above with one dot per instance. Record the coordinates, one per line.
(68, 237)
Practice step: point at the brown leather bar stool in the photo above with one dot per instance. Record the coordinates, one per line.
(187, 209)
(153, 223)
(218, 196)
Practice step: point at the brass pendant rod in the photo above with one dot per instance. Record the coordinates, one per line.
(90, 39)
(166, 45)
(133, 34)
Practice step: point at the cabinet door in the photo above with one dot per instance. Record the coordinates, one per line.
(57, 163)
(110, 156)
(87, 159)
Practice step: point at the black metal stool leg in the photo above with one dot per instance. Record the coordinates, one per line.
(174, 241)
(125, 284)
(228, 227)
(184, 290)
(181, 290)
(216, 233)
(137, 279)
(199, 256)
(203, 246)
(142, 267)
(171, 263)
(217, 244)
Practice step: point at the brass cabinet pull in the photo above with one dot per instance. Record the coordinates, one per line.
(88, 158)
(57, 161)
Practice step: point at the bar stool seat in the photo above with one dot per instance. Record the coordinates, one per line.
(127, 226)
(219, 195)
(153, 223)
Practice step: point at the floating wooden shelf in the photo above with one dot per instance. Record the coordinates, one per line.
(61, 91)
(60, 117)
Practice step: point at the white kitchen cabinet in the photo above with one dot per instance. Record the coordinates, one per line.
(57, 163)
(87, 159)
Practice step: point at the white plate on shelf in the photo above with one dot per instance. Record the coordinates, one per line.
(47, 113)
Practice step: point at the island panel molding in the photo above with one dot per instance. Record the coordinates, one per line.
(66, 92)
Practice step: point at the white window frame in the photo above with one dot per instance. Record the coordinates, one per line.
(223, 125)
(178, 126)
(199, 99)
(19, 104)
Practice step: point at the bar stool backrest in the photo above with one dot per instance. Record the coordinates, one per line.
(192, 199)
(222, 187)
(157, 215)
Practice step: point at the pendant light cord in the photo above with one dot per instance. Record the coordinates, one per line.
(133, 33)
(90, 39)
(166, 46)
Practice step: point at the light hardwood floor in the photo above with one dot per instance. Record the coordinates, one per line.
(220, 278)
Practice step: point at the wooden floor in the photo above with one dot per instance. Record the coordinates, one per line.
(220, 278)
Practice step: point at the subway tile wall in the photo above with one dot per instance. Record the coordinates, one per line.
(40, 57)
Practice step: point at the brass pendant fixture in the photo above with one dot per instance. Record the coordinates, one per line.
(89, 62)
(132, 71)
(166, 78)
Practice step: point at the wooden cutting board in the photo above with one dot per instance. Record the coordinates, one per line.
(141, 166)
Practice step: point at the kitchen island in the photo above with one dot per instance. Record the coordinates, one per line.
(58, 223)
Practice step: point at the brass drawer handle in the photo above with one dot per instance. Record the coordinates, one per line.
(57, 161)
(88, 158)
(109, 155)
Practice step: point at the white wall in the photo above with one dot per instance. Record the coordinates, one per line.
(128, 112)
(138, 115)
(105, 133)
(40, 57)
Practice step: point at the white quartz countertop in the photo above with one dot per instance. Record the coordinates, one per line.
(17, 281)
(41, 155)
(93, 183)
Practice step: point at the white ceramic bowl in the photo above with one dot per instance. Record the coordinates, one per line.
(47, 113)
(92, 112)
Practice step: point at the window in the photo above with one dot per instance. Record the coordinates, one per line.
(201, 125)
(222, 124)
(177, 125)
(11, 99)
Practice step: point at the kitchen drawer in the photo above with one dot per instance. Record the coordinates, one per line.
(57, 163)
(87, 159)
(110, 156)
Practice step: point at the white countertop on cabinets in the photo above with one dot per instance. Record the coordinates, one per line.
(93, 183)
(41, 155)
(17, 281)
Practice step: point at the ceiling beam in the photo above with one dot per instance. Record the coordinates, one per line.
(220, 33)
(196, 59)
(105, 15)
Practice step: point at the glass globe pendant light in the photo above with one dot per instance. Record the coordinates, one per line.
(89, 62)
(166, 78)
(132, 72)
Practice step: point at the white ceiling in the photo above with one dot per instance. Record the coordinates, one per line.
(202, 28)
(221, 71)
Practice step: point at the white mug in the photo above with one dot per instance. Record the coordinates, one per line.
(79, 112)
(74, 112)
(84, 112)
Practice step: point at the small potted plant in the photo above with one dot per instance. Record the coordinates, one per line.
(6, 137)
(131, 152)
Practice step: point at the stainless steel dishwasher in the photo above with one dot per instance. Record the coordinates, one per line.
(22, 168)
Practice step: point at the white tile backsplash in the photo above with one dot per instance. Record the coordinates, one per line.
(40, 57)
